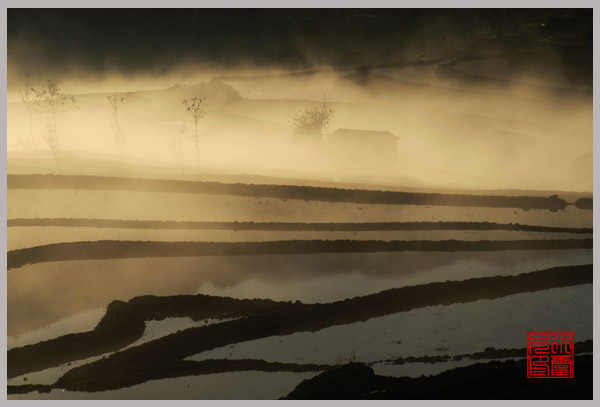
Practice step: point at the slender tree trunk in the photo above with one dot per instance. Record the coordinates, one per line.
(197, 152)
(55, 128)
(54, 138)
(53, 149)
(30, 125)
(54, 154)
(118, 139)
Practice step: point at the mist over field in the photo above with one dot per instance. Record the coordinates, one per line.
(297, 203)
(509, 108)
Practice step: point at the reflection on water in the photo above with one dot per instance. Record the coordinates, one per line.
(453, 330)
(158, 328)
(81, 322)
(132, 205)
(41, 294)
(420, 368)
(234, 385)
(351, 275)
(154, 330)
(51, 375)
(457, 94)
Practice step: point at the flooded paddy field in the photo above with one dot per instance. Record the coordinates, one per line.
(383, 215)
(43, 294)
(291, 251)
(133, 205)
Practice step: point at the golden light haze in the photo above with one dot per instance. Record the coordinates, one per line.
(518, 137)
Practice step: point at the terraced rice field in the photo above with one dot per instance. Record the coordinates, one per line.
(117, 290)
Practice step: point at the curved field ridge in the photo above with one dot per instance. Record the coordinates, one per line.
(126, 249)
(286, 226)
(502, 380)
(211, 366)
(208, 366)
(124, 323)
(307, 193)
(488, 353)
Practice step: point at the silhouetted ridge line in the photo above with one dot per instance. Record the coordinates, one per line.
(126, 249)
(286, 226)
(123, 324)
(488, 353)
(207, 366)
(307, 193)
(211, 366)
(443, 385)
(498, 380)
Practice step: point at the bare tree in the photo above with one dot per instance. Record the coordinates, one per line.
(196, 107)
(28, 98)
(313, 121)
(52, 101)
(115, 102)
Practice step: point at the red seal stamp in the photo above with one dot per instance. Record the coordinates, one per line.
(550, 354)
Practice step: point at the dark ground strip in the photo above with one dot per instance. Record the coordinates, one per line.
(125, 249)
(195, 368)
(487, 353)
(262, 318)
(210, 366)
(585, 203)
(123, 324)
(286, 226)
(306, 193)
(504, 380)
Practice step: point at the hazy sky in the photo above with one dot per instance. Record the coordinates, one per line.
(157, 40)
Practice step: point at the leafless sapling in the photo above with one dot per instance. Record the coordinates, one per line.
(28, 98)
(196, 107)
(52, 101)
(115, 102)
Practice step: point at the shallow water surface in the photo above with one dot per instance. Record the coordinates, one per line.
(218, 386)
(448, 329)
(42, 294)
